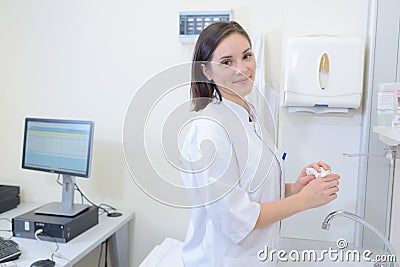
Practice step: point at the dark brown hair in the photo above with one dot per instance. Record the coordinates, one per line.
(203, 90)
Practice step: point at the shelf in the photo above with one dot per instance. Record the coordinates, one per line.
(388, 135)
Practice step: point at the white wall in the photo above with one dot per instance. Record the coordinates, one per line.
(311, 137)
(86, 59)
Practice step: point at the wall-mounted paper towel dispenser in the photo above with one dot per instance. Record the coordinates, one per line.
(323, 71)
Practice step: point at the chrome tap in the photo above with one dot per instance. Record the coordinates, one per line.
(351, 216)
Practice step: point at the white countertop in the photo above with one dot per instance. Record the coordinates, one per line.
(388, 135)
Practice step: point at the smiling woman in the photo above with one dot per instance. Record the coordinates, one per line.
(231, 161)
(235, 69)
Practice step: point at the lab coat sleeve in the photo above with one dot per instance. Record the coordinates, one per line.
(234, 214)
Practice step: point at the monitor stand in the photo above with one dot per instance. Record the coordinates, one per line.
(67, 207)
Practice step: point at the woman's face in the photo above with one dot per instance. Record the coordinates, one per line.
(233, 67)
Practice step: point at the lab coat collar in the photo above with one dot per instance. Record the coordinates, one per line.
(240, 110)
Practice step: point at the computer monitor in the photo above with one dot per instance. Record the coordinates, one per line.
(63, 147)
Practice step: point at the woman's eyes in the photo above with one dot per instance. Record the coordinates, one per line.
(247, 56)
(229, 62)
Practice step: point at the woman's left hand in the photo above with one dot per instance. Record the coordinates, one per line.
(304, 179)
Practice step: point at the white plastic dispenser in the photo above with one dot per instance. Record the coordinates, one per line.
(323, 71)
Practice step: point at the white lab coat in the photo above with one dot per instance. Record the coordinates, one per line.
(234, 178)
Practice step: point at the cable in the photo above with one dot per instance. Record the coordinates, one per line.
(109, 214)
(111, 207)
(39, 231)
(55, 253)
(59, 255)
(108, 208)
(83, 195)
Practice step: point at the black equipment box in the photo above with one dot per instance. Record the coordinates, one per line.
(9, 197)
(59, 228)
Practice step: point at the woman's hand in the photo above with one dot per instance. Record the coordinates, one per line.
(320, 191)
(304, 179)
(317, 192)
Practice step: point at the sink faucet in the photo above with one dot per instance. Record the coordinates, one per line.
(349, 215)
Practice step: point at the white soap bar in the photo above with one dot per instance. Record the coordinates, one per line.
(323, 172)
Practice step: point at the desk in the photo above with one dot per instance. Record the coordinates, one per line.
(115, 228)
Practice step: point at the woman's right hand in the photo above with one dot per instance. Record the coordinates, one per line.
(320, 191)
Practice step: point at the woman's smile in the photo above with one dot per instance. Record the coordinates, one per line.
(242, 80)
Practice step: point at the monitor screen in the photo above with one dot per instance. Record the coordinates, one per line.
(58, 146)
